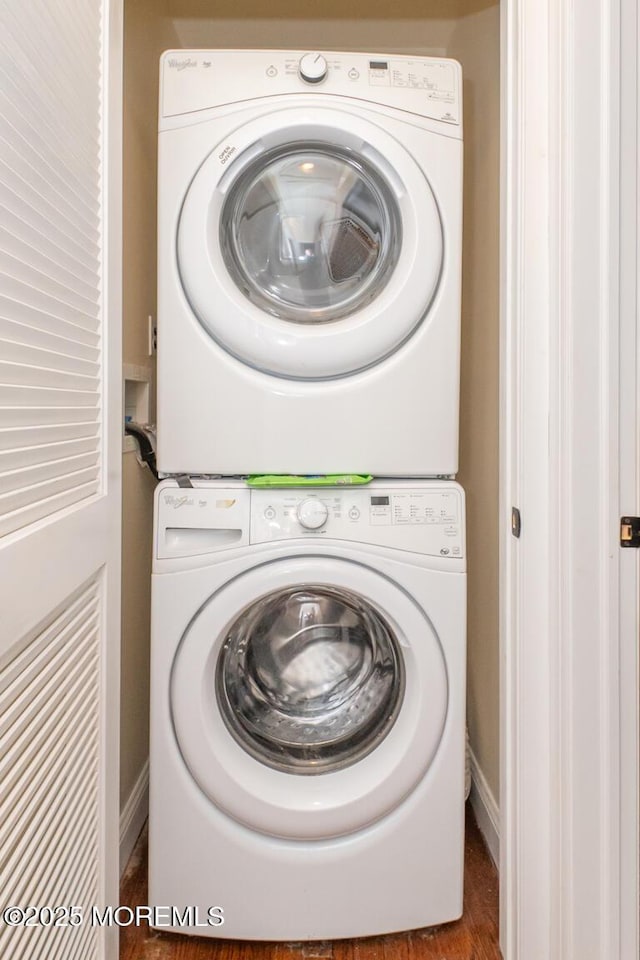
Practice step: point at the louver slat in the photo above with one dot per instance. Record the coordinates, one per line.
(47, 435)
(37, 321)
(56, 137)
(29, 700)
(20, 497)
(29, 141)
(27, 396)
(49, 771)
(68, 291)
(40, 238)
(42, 788)
(18, 485)
(50, 257)
(28, 252)
(30, 879)
(42, 453)
(24, 374)
(27, 206)
(34, 424)
(19, 288)
(14, 352)
(44, 505)
(46, 181)
(14, 331)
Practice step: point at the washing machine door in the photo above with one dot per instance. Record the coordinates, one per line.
(310, 244)
(309, 697)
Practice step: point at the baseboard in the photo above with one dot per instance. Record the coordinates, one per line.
(133, 815)
(485, 809)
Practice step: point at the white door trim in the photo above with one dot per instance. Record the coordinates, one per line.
(629, 568)
(526, 614)
(563, 640)
(112, 123)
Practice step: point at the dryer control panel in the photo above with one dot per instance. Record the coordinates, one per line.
(425, 518)
(193, 80)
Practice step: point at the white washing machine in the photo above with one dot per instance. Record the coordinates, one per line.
(310, 210)
(308, 704)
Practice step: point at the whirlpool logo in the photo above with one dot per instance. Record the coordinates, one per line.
(175, 502)
(182, 63)
(171, 500)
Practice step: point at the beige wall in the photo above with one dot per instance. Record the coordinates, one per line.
(477, 47)
(146, 35)
(376, 25)
(465, 29)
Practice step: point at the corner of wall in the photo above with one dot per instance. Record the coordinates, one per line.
(147, 32)
(485, 808)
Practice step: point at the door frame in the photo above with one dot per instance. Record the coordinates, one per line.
(112, 194)
(569, 594)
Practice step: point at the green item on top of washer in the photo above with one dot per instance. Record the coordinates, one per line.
(328, 480)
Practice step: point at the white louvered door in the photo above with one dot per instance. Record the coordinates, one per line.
(60, 453)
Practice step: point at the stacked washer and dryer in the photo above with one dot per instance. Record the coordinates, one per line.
(308, 642)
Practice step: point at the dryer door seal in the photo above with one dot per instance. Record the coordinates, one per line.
(366, 775)
(309, 244)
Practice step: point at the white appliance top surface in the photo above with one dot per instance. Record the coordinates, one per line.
(421, 516)
(193, 80)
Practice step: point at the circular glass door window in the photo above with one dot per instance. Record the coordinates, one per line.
(310, 245)
(310, 233)
(309, 679)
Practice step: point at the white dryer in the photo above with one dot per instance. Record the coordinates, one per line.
(310, 210)
(308, 705)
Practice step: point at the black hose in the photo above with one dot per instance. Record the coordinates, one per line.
(147, 453)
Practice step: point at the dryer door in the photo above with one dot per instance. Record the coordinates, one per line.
(310, 244)
(309, 696)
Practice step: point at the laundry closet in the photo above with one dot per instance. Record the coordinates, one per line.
(466, 30)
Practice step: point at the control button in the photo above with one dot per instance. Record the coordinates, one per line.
(445, 551)
(271, 71)
(312, 513)
(353, 74)
(269, 513)
(313, 67)
(354, 513)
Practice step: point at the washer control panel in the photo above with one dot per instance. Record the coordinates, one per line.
(193, 80)
(428, 521)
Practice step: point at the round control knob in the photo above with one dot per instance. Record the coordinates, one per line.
(313, 67)
(312, 513)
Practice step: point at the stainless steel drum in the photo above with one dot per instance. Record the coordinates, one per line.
(309, 679)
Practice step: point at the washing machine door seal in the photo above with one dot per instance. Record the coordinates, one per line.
(310, 244)
(314, 794)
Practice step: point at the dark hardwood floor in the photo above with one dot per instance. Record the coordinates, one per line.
(474, 937)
